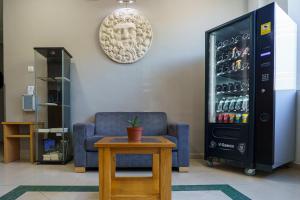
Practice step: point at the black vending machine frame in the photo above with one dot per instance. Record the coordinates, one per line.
(265, 101)
(247, 129)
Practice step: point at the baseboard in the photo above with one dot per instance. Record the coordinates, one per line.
(296, 165)
(196, 155)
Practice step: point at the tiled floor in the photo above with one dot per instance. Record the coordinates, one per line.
(282, 184)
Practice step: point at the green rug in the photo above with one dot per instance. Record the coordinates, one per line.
(20, 190)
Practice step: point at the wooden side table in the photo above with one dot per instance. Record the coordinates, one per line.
(157, 187)
(12, 138)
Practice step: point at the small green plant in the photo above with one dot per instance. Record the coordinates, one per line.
(134, 123)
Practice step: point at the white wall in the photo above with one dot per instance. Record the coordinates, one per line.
(293, 7)
(254, 4)
(170, 78)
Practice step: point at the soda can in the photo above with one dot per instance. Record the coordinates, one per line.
(238, 118)
(220, 118)
(245, 118)
(225, 118)
(231, 118)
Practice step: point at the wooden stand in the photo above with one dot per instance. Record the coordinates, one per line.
(12, 137)
(157, 187)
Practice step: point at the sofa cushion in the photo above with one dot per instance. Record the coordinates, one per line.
(90, 141)
(116, 123)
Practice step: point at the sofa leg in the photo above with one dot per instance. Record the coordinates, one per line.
(80, 169)
(183, 169)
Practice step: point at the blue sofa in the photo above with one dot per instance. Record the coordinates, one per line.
(115, 124)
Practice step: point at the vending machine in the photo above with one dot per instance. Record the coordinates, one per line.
(250, 115)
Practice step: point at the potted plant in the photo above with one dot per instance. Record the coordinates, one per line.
(134, 131)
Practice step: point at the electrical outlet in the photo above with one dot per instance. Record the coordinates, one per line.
(30, 68)
(30, 89)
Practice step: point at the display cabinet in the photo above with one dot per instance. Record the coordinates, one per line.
(52, 91)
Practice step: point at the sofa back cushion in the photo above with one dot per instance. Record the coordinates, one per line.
(116, 123)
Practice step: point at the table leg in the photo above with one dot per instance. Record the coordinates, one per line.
(31, 143)
(165, 173)
(105, 174)
(155, 171)
(11, 146)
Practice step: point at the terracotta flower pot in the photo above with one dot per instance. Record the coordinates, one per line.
(135, 134)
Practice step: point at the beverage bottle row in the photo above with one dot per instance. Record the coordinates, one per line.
(237, 86)
(238, 65)
(233, 104)
(235, 40)
(233, 54)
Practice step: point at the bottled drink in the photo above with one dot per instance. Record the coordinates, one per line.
(219, 69)
(238, 64)
(238, 104)
(232, 104)
(233, 68)
(219, 88)
(220, 105)
(226, 104)
(245, 104)
(233, 53)
(246, 52)
(237, 86)
(225, 87)
(245, 86)
(230, 87)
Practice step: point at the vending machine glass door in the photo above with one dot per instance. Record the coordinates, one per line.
(229, 66)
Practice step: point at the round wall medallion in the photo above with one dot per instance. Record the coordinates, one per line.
(125, 35)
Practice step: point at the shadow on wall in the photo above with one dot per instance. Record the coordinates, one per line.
(180, 92)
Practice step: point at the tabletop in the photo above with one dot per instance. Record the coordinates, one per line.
(147, 141)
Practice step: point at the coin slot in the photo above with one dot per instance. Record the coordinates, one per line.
(227, 133)
(265, 64)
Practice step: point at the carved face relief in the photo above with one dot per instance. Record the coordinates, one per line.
(125, 35)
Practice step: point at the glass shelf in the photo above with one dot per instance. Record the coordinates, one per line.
(53, 130)
(238, 74)
(53, 104)
(233, 93)
(54, 79)
(48, 104)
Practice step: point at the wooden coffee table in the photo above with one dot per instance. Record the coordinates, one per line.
(157, 187)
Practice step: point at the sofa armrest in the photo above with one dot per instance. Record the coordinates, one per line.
(181, 131)
(81, 131)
